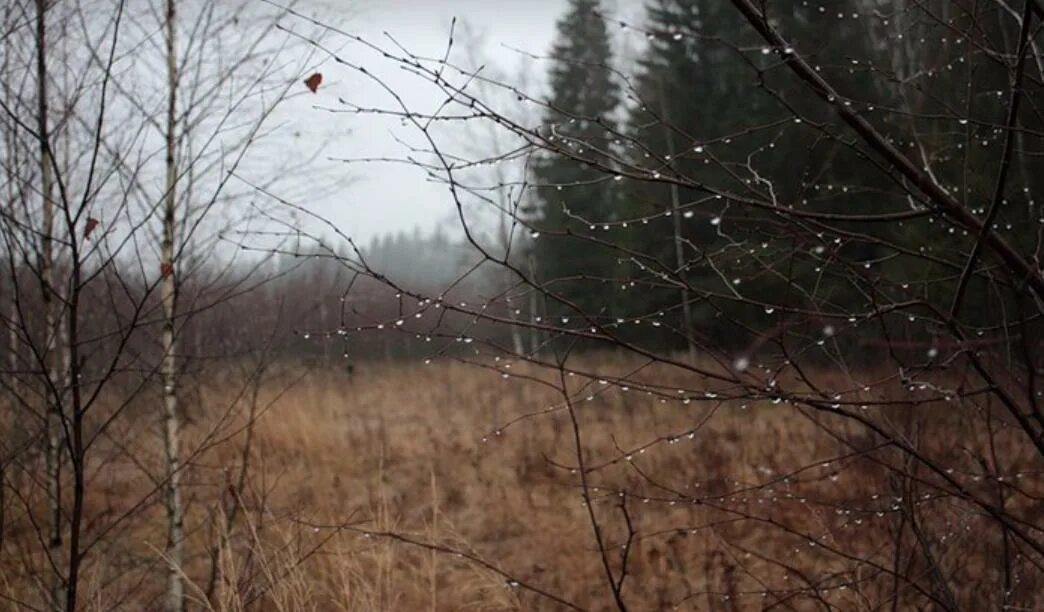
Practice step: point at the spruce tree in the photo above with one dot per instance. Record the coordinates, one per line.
(709, 110)
(695, 95)
(574, 197)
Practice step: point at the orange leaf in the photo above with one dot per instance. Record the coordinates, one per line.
(166, 269)
(89, 227)
(313, 81)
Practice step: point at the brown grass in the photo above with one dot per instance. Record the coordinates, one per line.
(343, 469)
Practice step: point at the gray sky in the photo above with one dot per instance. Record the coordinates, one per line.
(389, 197)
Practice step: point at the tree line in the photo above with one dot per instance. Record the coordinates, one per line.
(645, 198)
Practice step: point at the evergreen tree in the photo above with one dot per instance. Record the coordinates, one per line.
(575, 198)
(713, 105)
(696, 95)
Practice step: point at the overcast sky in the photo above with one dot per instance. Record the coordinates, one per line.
(383, 198)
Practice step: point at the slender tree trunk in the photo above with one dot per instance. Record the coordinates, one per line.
(51, 333)
(11, 154)
(70, 385)
(12, 357)
(433, 537)
(679, 243)
(534, 309)
(171, 424)
(17, 430)
(516, 332)
(12, 332)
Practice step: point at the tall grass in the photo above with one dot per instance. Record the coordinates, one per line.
(399, 488)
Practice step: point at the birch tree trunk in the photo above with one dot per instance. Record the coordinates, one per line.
(516, 332)
(171, 425)
(535, 314)
(54, 424)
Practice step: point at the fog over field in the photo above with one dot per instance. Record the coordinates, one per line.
(386, 198)
(551, 305)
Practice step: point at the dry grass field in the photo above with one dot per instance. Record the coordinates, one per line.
(391, 489)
